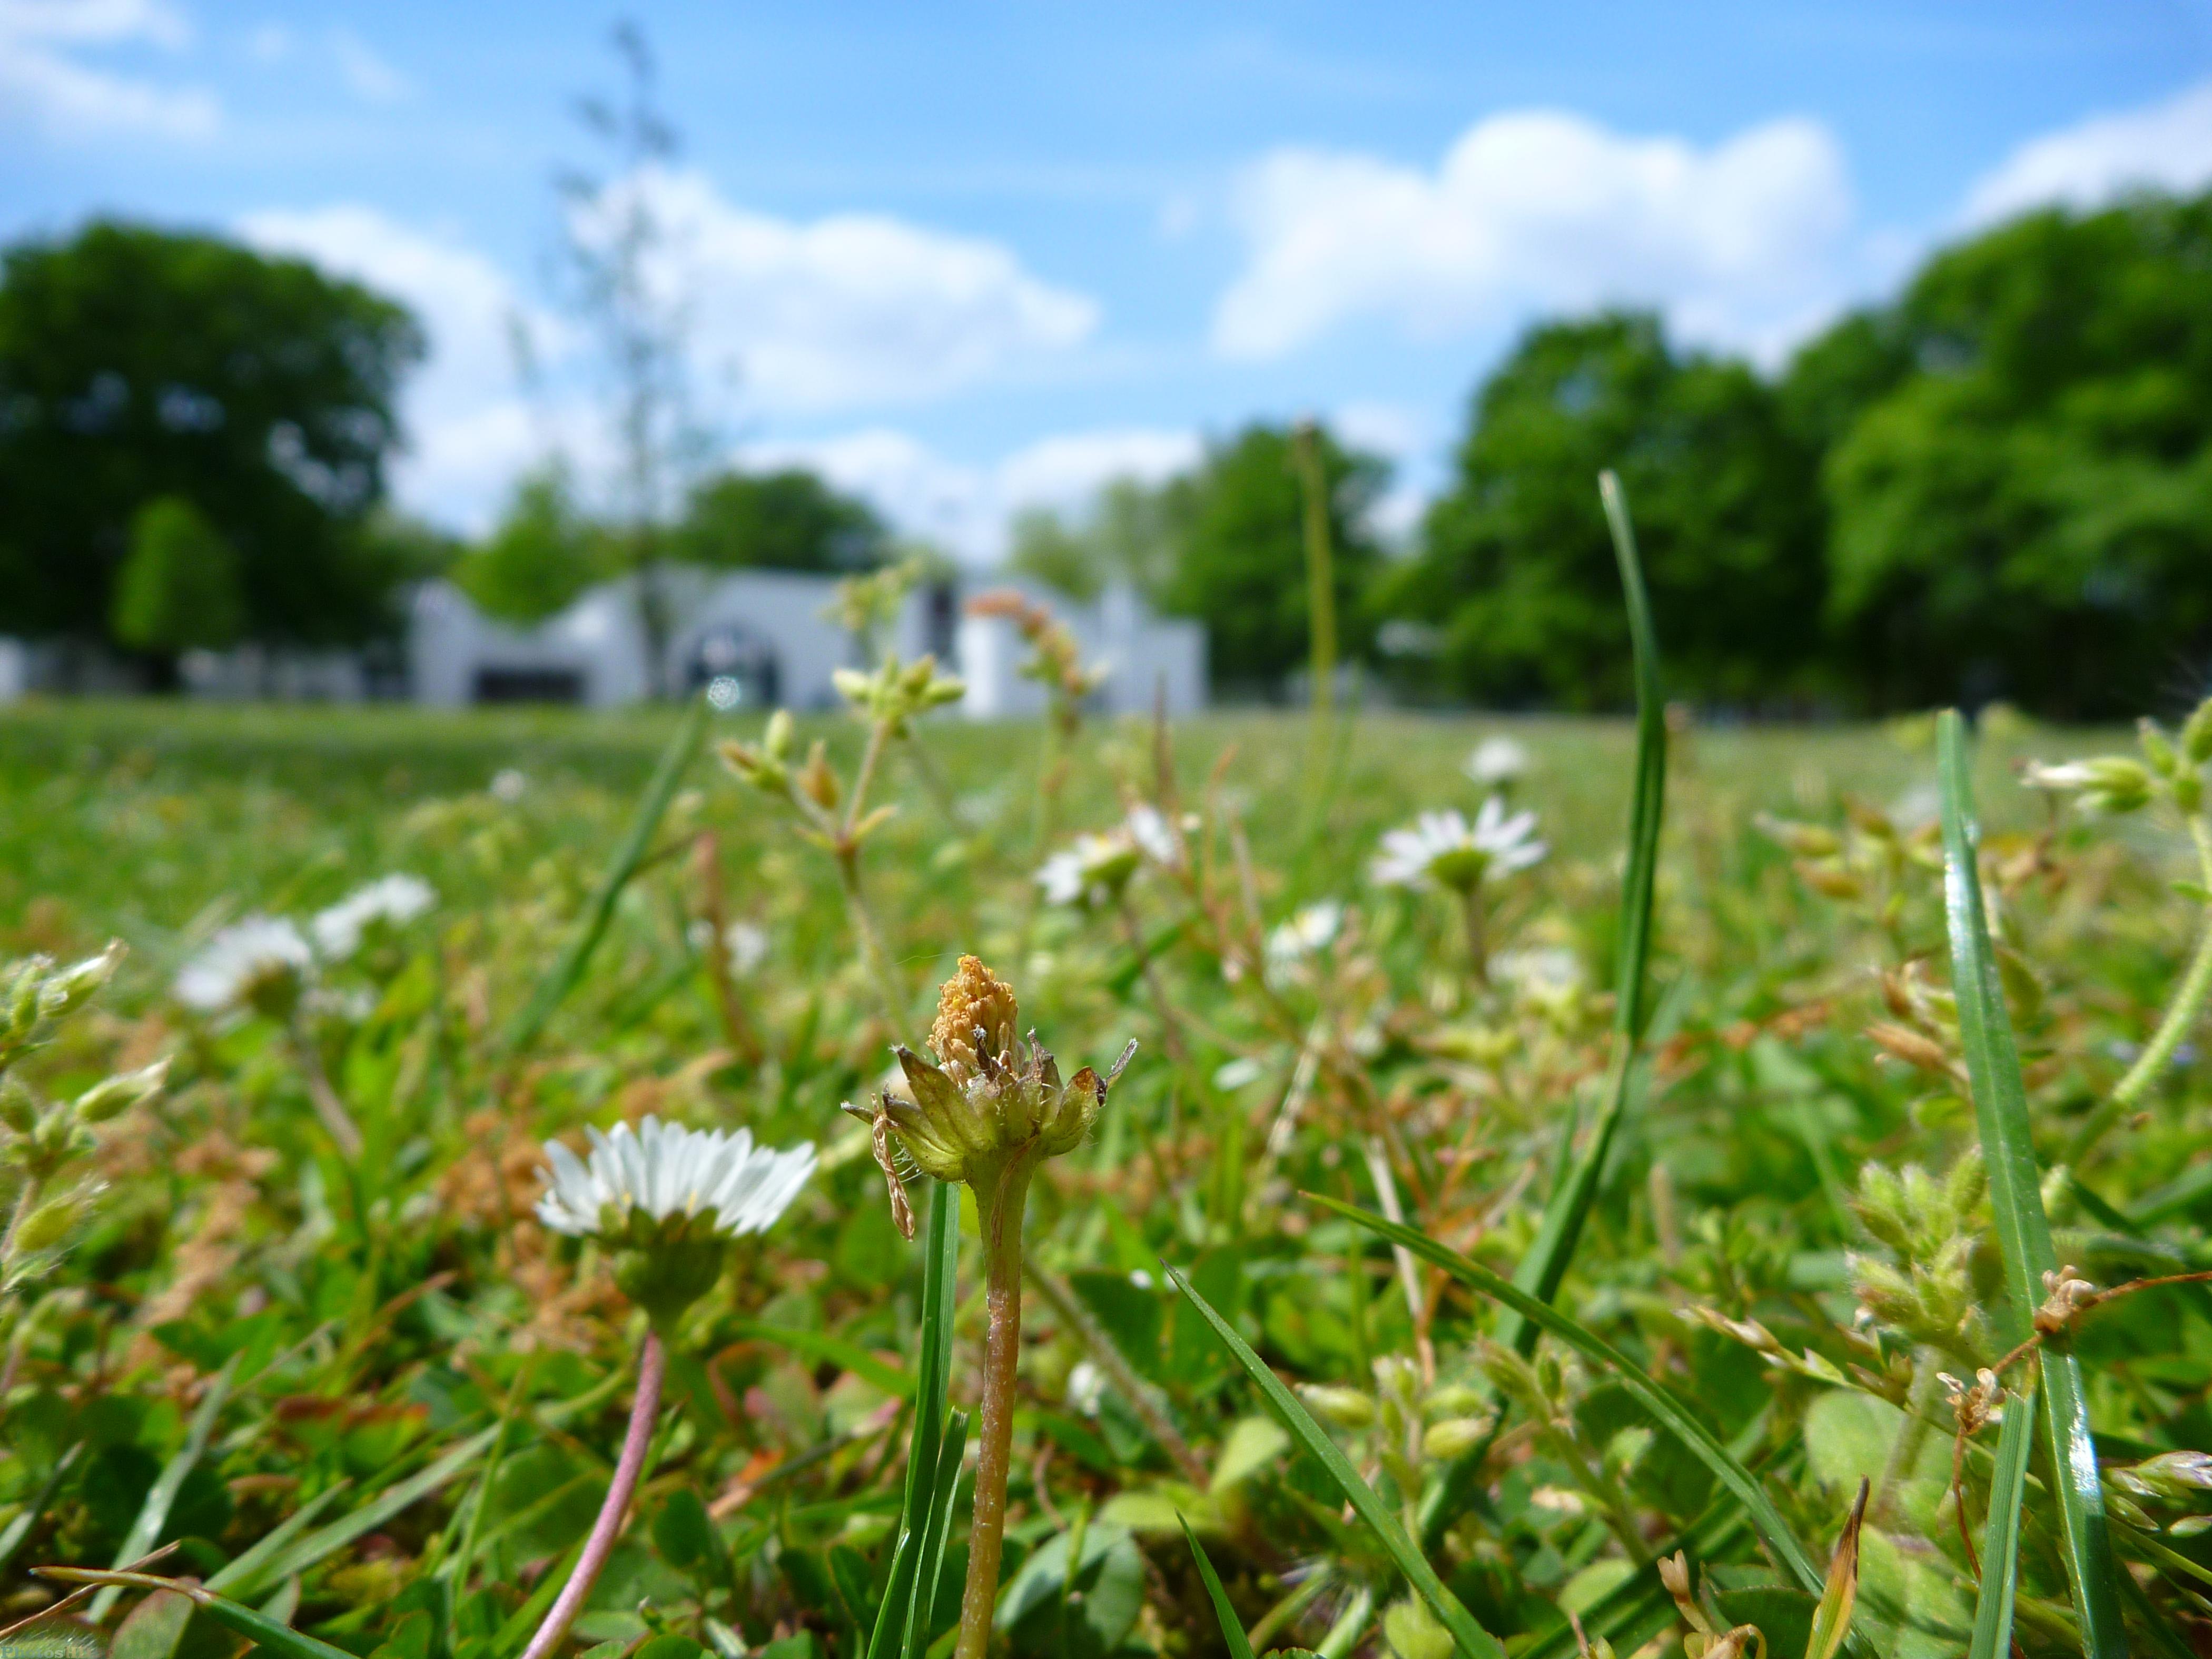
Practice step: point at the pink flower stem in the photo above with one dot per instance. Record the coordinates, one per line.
(652, 1363)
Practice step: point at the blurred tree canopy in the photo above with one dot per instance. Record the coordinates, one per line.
(138, 365)
(1999, 486)
(1516, 569)
(2018, 468)
(788, 519)
(544, 552)
(179, 590)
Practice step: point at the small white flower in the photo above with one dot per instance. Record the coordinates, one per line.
(1541, 969)
(1149, 828)
(745, 945)
(261, 961)
(1497, 760)
(1086, 1388)
(507, 785)
(1311, 930)
(391, 901)
(664, 1171)
(1444, 850)
(1093, 871)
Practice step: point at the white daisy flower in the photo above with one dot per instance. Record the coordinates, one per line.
(1311, 930)
(1093, 871)
(260, 962)
(391, 901)
(662, 1172)
(1496, 761)
(1442, 848)
(1540, 970)
(508, 786)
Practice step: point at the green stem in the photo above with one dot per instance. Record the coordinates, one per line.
(2188, 1001)
(1478, 947)
(329, 1108)
(878, 734)
(871, 941)
(1001, 1215)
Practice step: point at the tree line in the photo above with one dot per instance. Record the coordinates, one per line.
(1997, 484)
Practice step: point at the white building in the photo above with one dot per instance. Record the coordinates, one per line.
(765, 635)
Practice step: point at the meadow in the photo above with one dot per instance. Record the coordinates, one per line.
(1448, 1257)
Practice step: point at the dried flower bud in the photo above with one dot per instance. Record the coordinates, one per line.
(818, 780)
(989, 1098)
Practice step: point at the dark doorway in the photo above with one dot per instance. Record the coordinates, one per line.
(530, 685)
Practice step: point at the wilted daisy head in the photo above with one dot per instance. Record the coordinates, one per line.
(989, 1098)
(1093, 871)
(670, 1199)
(1311, 929)
(1443, 850)
(260, 963)
(1496, 761)
(388, 902)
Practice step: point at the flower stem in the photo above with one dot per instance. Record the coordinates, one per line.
(2188, 1001)
(1002, 1239)
(1478, 949)
(652, 1363)
(329, 1108)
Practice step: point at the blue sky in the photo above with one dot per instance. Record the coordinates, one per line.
(967, 258)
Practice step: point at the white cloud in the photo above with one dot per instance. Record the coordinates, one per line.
(45, 83)
(470, 429)
(1747, 243)
(964, 508)
(367, 76)
(2164, 145)
(851, 309)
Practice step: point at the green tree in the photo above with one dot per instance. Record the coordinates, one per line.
(178, 589)
(1239, 553)
(2019, 484)
(544, 552)
(136, 364)
(1516, 569)
(784, 520)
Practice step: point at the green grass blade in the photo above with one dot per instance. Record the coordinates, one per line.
(2017, 1201)
(929, 1565)
(258, 1628)
(652, 806)
(814, 1344)
(929, 1385)
(1232, 1628)
(2001, 1543)
(11, 1539)
(1472, 1639)
(329, 1541)
(1676, 1417)
(1545, 1264)
(154, 1514)
(245, 1569)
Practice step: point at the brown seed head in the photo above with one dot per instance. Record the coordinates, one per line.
(973, 997)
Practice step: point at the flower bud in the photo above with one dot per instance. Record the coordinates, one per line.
(73, 986)
(50, 1222)
(19, 1108)
(2188, 791)
(2157, 748)
(2108, 783)
(1454, 1436)
(2196, 735)
(818, 781)
(1454, 1400)
(776, 741)
(118, 1095)
(1348, 1408)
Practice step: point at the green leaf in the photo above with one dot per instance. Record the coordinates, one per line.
(152, 1628)
(652, 806)
(1671, 1412)
(1544, 1264)
(245, 1569)
(18, 1529)
(929, 1384)
(921, 1621)
(258, 1628)
(2017, 1202)
(146, 1531)
(2001, 1541)
(1472, 1639)
(814, 1344)
(1232, 1628)
(329, 1541)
